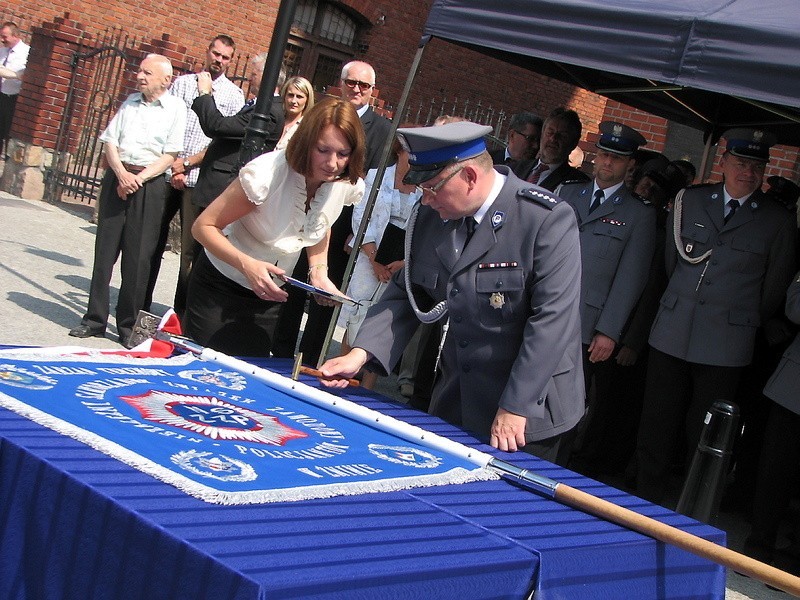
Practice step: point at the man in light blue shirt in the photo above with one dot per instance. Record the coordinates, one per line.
(141, 142)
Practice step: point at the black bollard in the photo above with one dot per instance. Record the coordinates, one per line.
(702, 491)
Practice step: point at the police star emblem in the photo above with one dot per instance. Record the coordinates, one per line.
(497, 300)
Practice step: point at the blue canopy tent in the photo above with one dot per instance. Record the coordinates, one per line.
(709, 64)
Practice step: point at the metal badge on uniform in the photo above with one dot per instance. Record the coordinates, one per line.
(617, 200)
(497, 300)
(754, 204)
(497, 219)
(689, 247)
(714, 196)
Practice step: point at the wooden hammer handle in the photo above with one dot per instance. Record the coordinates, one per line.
(318, 374)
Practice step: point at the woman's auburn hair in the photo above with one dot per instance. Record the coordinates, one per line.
(340, 114)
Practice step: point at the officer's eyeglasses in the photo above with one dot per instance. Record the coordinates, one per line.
(528, 138)
(437, 186)
(355, 83)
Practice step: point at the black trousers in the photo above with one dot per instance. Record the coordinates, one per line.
(129, 227)
(319, 317)
(778, 475)
(8, 103)
(677, 396)
(225, 316)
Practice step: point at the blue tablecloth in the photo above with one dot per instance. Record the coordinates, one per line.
(77, 524)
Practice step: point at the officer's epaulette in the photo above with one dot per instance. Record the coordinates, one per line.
(539, 196)
(644, 201)
(695, 186)
(575, 181)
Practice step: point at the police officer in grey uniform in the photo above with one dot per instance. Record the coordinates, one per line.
(617, 234)
(730, 256)
(496, 256)
(779, 468)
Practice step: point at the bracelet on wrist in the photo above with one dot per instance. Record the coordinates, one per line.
(317, 266)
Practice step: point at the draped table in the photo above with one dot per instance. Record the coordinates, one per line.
(75, 523)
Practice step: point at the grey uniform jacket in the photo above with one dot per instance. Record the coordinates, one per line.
(784, 385)
(710, 311)
(617, 245)
(512, 298)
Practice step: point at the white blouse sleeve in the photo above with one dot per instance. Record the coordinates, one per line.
(257, 176)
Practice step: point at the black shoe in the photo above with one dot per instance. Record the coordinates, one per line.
(84, 331)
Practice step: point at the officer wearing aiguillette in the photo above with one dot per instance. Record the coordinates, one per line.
(496, 256)
(730, 256)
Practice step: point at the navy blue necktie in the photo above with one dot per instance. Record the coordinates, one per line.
(733, 206)
(598, 199)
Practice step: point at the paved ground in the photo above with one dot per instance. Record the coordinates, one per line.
(46, 254)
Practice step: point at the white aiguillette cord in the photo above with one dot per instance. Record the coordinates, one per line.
(438, 311)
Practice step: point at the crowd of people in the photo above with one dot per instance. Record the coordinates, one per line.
(588, 318)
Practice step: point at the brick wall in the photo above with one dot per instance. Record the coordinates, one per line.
(446, 69)
(392, 39)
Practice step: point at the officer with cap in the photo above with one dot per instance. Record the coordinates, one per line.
(617, 232)
(730, 256)
(493, 255)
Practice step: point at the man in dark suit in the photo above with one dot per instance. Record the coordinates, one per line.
(221, 162)
(522, 143)
(496, 256)
(357, 83)
(560, 136)
(730, 257)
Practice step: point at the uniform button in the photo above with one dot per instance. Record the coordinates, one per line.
(702, 302)
(454, 292)
(540, 401)
(463, 343)
(708, 282)
(465, 368)
(499, 284)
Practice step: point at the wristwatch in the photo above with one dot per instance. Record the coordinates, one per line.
(187, 164)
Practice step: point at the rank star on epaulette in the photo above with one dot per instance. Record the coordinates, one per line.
(539, 197)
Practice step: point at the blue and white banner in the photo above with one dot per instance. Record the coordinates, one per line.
(218, 434)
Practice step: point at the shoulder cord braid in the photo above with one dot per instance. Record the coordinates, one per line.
(438, 311)
(676, 233)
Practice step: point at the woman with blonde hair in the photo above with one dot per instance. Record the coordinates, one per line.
(253, 233)
(298, 98)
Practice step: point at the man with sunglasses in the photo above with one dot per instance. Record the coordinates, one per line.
(496, 257)
(356, 85)
(524, 134)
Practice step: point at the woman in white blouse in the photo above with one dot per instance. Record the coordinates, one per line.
(298, 97)
(254, 231)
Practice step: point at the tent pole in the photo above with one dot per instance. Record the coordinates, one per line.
(706, 156)
(373, 193)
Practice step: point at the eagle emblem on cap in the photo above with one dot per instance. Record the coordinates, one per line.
(617, 129)
(758, 135)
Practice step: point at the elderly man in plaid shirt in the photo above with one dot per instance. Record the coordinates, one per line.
(229, 99)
